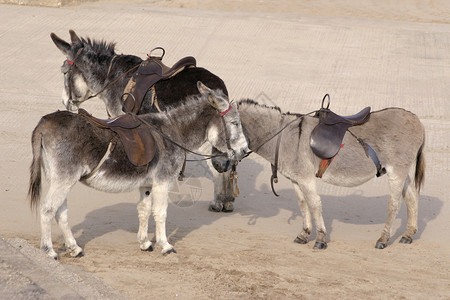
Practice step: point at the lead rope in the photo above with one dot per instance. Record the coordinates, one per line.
(233, 181)
(233, 172)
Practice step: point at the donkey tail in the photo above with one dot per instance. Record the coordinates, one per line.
(34, 190)
(419, 177)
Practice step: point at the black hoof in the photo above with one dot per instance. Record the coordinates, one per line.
(170, 251)
(299, 240)
(215, 207)
(149, 249)
(320, 245)
(81, 254)
(228, 207)
(380, 245)
(405, 240)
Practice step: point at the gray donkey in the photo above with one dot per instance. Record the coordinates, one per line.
(396, 135)
(70, 148)
(94, 68)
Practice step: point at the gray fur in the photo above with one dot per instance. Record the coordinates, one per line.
(396, 135)
(97, 65)
(69, 147)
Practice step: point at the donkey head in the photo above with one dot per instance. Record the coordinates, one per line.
(79, 68)
(224, 133)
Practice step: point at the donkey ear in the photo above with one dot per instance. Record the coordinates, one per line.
(206, 91)
(203, 89)
(61, 44)
(74, 37)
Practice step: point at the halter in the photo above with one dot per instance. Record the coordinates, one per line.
(72, 63)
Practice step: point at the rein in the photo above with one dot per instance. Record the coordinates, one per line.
(72, 63)
(278, 132)
(274, 177)
(168, 138)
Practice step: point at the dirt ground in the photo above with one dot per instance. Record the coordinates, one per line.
(286, 53)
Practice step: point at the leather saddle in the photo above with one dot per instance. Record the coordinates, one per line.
(137, 140)
(326, 137)
(150, 72)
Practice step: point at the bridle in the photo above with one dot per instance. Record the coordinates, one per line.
(70, 70)
(233, 175)
(206, 156)
(278, 134)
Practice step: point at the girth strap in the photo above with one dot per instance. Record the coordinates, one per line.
(274, 177)
(109, 150)
(370, 153)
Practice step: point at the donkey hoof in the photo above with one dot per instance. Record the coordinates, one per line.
(380, 245)
(405, 240)
(172, 250)
(216, 206)
(300, 240)
(77, 255)
(76, 252)
(149, 249)
(52, 254)
(228, 206)
(320, 245)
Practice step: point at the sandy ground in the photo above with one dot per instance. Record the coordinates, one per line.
(278, 52)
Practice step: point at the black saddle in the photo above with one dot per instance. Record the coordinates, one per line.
(137, 140)
(327, 136)
(150, 72)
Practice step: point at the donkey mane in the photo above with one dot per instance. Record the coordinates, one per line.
(99, 47)
(254, 103)
(263, 106)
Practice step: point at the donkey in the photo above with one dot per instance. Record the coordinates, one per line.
(95, 67)
(396, 135)
(68, 147)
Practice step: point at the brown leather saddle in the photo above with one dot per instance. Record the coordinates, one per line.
(137, 140)
(327, 136)
(150, 72)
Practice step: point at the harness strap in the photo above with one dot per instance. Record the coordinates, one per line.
(325, 163)
(370, 153)
(183, 168)
(233, 181)
(274, 178)
(109, 150)
(111, 83)
(225, 111)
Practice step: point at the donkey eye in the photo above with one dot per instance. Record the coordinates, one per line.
(235, 123)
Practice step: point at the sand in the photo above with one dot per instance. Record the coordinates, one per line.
(284, 53)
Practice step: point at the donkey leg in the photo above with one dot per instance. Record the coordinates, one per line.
(223, 198)
(396, 187)
(144, 208)
(308, 188)
(160, 194)
(62, 219)
(53, 200)
(411, 197)
(302, 237)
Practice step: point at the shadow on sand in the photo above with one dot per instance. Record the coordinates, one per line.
(259, 203)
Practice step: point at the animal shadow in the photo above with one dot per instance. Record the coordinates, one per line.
(350, 209)
(255, 201)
